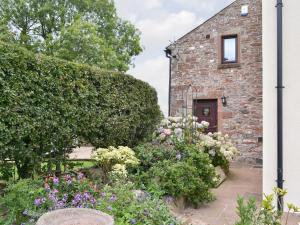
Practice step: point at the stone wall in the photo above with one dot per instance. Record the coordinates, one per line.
(197, 73)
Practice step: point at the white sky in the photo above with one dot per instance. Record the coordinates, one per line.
(160, 22)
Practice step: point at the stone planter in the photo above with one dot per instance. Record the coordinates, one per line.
(221, 175)
(75, 217)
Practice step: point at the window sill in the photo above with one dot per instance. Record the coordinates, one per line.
(229, 65)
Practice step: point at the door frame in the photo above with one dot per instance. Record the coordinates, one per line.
(219, 108)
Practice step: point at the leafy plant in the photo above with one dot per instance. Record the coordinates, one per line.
(7, 170)
(268, 215)
(119, 200)
(18, 197)
(149, 154)
(114, 161)
(49, 105)
(189, 175)
(188, 130)
(27, 200)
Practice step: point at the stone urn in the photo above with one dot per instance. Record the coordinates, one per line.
(75, 216)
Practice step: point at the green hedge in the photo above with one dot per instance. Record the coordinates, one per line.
(47, 103)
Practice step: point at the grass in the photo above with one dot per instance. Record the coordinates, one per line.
(74, 165)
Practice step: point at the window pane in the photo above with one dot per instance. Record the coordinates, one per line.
(229, 50)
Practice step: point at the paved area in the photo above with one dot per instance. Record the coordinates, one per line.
(244, 181)
(82, 153)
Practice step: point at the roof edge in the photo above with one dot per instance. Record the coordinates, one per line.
(203, 23)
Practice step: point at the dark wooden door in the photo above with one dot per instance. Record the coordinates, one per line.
(207, 110)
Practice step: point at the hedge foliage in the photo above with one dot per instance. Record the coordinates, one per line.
(47, 103)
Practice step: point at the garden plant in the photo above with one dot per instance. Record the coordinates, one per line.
(49, 106)
(250, 214)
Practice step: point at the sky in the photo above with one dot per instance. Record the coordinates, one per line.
(162, 22)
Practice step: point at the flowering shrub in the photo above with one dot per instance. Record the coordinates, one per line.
(118, 200)
(19, 197)
(216, 143)
(27, 200)
(113, 161)
(58, 193)
(150, 153)
(219, 147)
(180, 129)
(188, 174)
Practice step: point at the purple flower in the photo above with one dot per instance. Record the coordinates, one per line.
(77, 199)
(86, 196)
(68, 179)
(55, 180)
(65, 198)
(133, 221)
(109, 208)
(103, 194)
(80, 176)
(22, 224)
(25, 212)
(60, 204)
(52, 196)
(93, 201)
(113, 198)
(39, 201)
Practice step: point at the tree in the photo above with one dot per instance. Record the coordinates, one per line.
(85, 31)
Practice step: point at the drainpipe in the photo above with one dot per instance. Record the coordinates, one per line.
(279, 105)
(169, 55)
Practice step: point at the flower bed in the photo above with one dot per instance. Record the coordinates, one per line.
(27, 200)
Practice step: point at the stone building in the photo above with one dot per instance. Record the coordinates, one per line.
(216, 74)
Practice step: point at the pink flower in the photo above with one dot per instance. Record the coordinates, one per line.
(167, 132)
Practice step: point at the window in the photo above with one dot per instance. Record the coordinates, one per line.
(229, 49)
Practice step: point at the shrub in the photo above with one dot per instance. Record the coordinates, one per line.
(19, 197)
(114, 161)
(149, 154)
(34, 198)
(47, 104)
(219, 147)
(6, 170)
(189, 174)
(27, 200)
(118, 200)
(174, 130)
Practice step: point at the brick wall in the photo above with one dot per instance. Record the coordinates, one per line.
(197, 73)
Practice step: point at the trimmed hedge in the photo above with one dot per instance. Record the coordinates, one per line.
(47, 103)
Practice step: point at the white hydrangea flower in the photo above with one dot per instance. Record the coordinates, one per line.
(212, 152)
(178, 132)
(205, 124)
